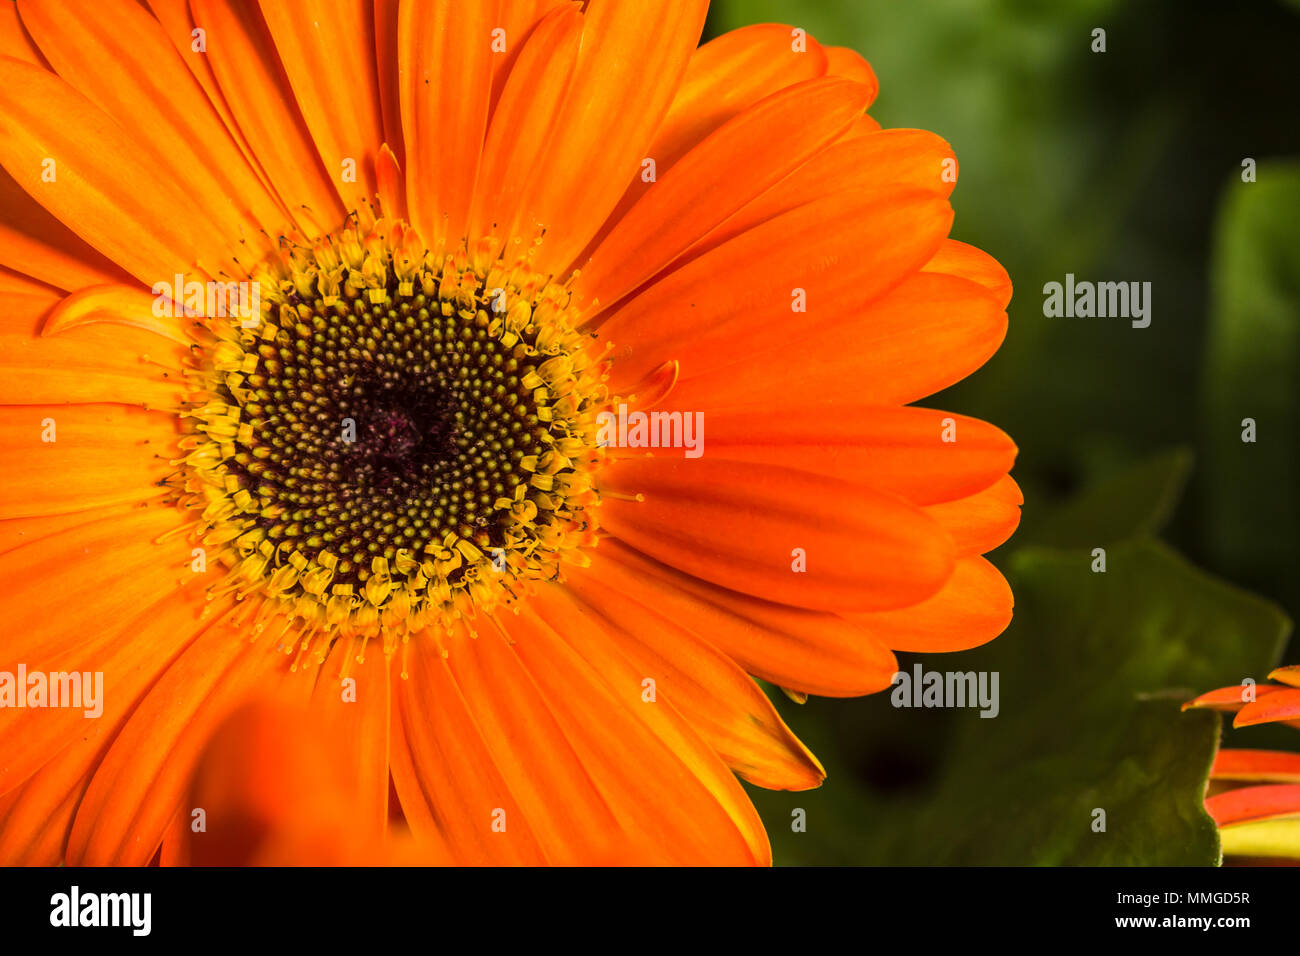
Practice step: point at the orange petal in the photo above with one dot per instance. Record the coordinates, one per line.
(178, 24)
(798, 260)
(36, 244)
(728, 75)
(103, 571)
(1254, 803)
(959, 259)
(446, 776)
(808, 651)
(141, 783)
(715, 695)
(122, 61)
(747, 527)
(152, 233)
(42, 817)
(387, 77)
(243, 59)
(973, 608)
(96, 363)
(852, 65)
(101, 454)
(521, 123)
(1274, 766)
(738, 161)
(678, 796)
(725, 77)
(17, 532)
(901, 451)
(271, 778)
(445, 62)
(128, 651)
(518, 20)
(1232, 697)
(926, 334)
(355, 718)
(1287, 675)
(910, 158)
(128, 305)
(529, 745)
(35, 817)
(14, 40)
(983, 521)
(631, 53)
(327, 49)
(1284, 704)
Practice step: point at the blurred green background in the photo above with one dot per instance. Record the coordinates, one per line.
(1127, 166)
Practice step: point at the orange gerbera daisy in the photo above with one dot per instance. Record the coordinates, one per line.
(505, 382)
(1255, 794)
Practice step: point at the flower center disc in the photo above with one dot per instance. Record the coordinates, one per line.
(400, 438)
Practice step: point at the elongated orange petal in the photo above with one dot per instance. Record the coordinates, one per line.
(973, 608)
(17, 532)
(36, 829)
(530, 747)
(14, 39)
(752, 527)
(92, 364)
(128, 652)
(92, 587)
(738, 161)
(630, 53)
(272, 778)
(981, 522)
(901, 451)
(98, 455)
(35, 817)
(152, 233)
(36, 244)
(1232, 697)
(517, 22)
(243, 58)
(899, 157)
(446, 776)
(1284, 704)
(726, 76)
(679, 796)
(710, 690)
(852, 65)
(965, 261)
(808, 651)
(445, 61)
(1254, 803)
(352, 705)
(122, 61)
(1287, 675)
(522, 122)
(142, 781)
(1274, 766)
(798, 261)
(327, 48)
(117, 305)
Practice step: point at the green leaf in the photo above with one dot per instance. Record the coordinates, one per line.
(1137, 500)
(1252, 364)
(1091, 677)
